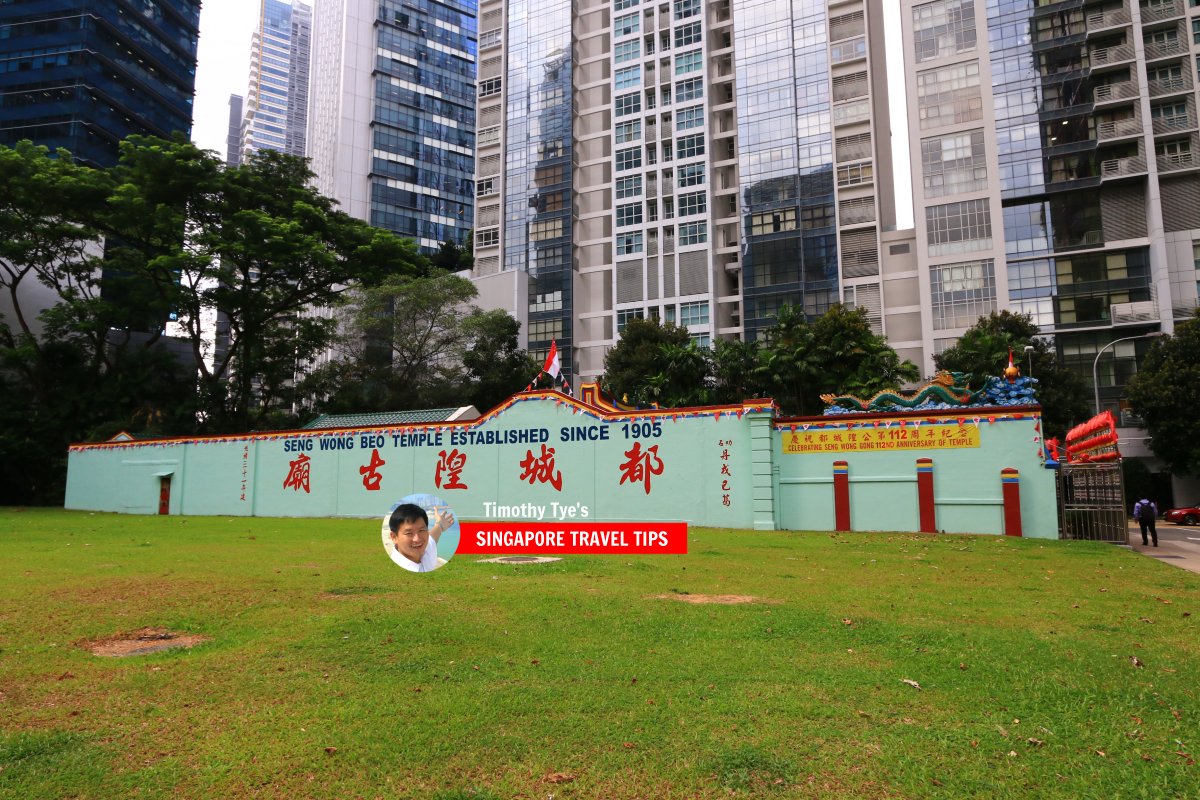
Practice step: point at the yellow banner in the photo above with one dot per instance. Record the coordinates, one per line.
(930, 436)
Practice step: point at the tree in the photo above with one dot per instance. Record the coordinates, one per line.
(656, 363)
(261, 246)
(735, 371)
(1165, 393)
(982, 351)
(453, 257)
(837, 353)
(495, 366)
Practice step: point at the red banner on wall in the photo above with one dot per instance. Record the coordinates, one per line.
(571, 538)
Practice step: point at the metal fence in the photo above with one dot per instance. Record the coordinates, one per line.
(1091, 503)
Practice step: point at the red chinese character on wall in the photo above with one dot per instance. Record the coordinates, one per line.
(370, 473)
(452, 463)
(641, 465)
(541, 470)
(298, 472)
(724, 499)
(725, 470)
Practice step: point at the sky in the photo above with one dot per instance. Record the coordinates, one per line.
(226, 27)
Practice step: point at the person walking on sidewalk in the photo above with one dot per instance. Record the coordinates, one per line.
(1145, 512)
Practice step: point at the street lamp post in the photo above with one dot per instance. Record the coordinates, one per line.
(1096, 362)
(1029, 358)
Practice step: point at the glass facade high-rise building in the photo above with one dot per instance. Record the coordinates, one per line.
(391, 131)
(275, 109)
(721, 155)
(1056, 170)
(84, 75)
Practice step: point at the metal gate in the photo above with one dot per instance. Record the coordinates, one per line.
(1091, 503)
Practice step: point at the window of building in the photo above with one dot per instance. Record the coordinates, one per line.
(953, 163)
(489, 87)
(627, 24)
(688, 146)
(546, 229)
(958, 227)
(690, 175)
(628, 243)
(545, 330)
(629, 131)
(693, 203)
(485, 186)
(848, 51)
(629, 187)
(488, 237)
(629, 104)
(688, 62)
(693, 313)
(949, 95)
(628, 77)
(626, 314)
(1168, 72)
(627, 51)
(702, 340)
(777, 221)
(689, 89)
(962, 293)
(693, 233)
(815, 217)
(621, 5)
(688, 118)
(548, 175)
(686, 8)
(687, 34)
(629, 158)
(629, 214)
(546, 301)
(1164, 38)
(943, 28)
(488, 136)
(489, 39)
(550, 148)
(854, 174)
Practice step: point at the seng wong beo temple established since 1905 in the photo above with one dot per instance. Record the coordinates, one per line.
(941, 459)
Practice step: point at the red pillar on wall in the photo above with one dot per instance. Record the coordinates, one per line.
(841, 496)
(925, 495)
(1010, 486)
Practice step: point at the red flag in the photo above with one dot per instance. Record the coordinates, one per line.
(552, 367)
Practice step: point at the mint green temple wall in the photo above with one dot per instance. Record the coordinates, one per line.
(708, 456)
(883, 485)
(245, 476)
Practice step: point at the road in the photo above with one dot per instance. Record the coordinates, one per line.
(1178, 545)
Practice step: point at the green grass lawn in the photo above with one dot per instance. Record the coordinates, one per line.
(332, 673)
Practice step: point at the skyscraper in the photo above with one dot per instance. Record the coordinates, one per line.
(275, 111)
(1055, 171)
(391, 127)
(696, 161)
(84, 75)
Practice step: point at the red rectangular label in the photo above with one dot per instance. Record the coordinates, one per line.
(570, 538)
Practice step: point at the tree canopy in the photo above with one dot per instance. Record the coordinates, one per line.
(982, 351)
(796, 362)
(168, 240)
(1165, 393)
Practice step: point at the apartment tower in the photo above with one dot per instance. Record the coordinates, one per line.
(391, 130)
(84, 75)
(701, 162)
(275, 109)
(1056, 170)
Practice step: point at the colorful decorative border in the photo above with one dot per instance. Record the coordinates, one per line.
(600, 409)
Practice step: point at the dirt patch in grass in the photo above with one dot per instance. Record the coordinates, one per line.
(140, 642)
(713, 599)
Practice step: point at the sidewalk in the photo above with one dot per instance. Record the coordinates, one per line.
(1177, 546)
